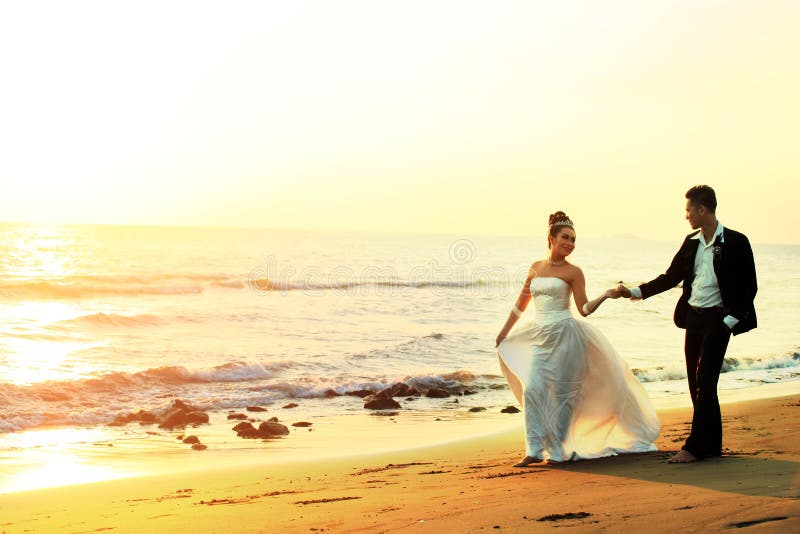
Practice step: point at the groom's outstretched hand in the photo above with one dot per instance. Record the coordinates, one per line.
(624, 291)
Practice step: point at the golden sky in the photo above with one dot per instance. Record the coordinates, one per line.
(454, 117)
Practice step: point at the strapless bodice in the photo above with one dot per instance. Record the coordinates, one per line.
(550, 299)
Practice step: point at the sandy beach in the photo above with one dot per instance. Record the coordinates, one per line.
(466, 486)
(293, 267)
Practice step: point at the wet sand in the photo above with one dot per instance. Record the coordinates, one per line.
(467, 486)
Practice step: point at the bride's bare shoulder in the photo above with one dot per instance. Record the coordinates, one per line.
(574, 271)
(536, 267)
(533, 271)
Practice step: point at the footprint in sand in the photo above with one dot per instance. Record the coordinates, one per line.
(563, 517)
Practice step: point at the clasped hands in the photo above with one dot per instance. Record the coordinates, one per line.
(619, 291)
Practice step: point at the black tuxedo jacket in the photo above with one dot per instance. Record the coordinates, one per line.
(736, 274)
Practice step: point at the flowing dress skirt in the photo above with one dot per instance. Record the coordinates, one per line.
(579, 397)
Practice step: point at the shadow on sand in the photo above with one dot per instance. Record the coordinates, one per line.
(744, 473)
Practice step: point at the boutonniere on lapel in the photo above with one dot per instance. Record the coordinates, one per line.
(716, 250)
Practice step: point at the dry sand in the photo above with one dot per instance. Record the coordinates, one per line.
(468, 486)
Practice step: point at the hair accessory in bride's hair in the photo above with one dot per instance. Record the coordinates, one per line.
(560, 218)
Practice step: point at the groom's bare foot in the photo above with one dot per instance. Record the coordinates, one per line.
(683, 457)
(528, 460)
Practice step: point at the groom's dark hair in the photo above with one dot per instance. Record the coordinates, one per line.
(703, 195)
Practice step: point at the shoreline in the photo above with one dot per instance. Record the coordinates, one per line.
(464, 485)
(73, 456)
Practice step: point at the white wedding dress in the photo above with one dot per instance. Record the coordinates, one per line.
(580, 399)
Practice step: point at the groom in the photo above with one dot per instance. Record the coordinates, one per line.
(718, 273)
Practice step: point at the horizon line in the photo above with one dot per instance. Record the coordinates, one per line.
(620, 236)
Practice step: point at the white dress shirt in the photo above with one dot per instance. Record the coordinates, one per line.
(705, 286)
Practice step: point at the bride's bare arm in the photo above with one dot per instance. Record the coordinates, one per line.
(586, 307)
(519, 307)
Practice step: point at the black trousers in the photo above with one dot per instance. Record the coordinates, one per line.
(707, 339)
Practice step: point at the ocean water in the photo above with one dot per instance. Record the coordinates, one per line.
(101, 321)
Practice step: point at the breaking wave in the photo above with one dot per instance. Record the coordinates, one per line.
(114, 320)
(230, 386)
(189, 284)
(100, 399)
(730, 364)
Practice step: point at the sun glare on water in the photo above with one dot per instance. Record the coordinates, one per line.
(35, 352)
(50, 460)
(41, 252)
(32, 347)
(31, 361)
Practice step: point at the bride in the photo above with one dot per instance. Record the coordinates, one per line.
(579, 397)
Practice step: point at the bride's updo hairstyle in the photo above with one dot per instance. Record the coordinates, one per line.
(557, 221)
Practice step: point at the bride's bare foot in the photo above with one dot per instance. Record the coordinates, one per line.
(528, 460)
(683, 457)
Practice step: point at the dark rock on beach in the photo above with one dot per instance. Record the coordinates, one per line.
(435, 393)
(477, 409)
(243, 426)
(239, 416)
(196, 418)
(181, 414)
(273, 419)
(272, 429)
(302, 424)
(256, 409)
(142, 417)
(400, 389)
(248, 432)
(376, 402)
(199, 447)
(291, 405)
(510, 409)
(329, 394)
(360, 393)
(265, 430)
(191, 439)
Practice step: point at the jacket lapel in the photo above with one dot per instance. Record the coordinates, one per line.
(716, 250)
(691, 254)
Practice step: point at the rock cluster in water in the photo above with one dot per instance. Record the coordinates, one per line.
(181, 414)
(266, 430)
(384, 399)
(178, 415)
